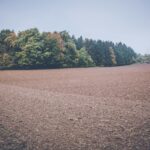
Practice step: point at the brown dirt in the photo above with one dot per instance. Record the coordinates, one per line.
(76, 109)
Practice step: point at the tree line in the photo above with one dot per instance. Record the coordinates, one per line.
(32, 49)
(143, 58)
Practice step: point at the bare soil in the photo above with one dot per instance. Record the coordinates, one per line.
(76, 109)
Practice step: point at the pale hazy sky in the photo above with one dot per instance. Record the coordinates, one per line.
(127, 21)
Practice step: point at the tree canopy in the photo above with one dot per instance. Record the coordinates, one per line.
(32, 49)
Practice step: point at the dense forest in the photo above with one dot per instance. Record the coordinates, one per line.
(32, 49)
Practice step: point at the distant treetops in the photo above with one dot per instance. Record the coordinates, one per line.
(32, 49)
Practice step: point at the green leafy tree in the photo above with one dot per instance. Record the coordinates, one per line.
(84, 59)
(29, 52)
(71, 54)
(7, 47)
(30, 55)
(53, 49)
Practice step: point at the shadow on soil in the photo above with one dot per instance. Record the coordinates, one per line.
(10, 141)
(138, 139)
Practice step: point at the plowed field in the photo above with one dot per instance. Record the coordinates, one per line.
(75, 109)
